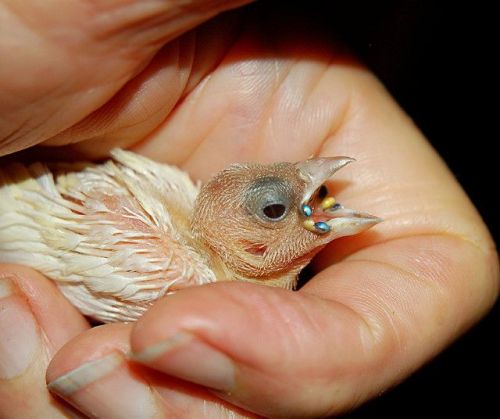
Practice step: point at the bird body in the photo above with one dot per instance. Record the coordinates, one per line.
(119, 235)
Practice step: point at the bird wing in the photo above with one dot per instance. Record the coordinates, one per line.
(115, 236)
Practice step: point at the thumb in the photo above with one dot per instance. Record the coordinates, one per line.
(276, 352)
(35, 321)
(69, 58)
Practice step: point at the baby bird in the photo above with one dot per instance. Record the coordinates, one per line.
(117, 236)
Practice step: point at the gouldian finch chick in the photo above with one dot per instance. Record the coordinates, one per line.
(117, 236)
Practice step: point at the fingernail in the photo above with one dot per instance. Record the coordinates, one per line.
(105, 388)
(186, 357)
(6, 289)
(19, 338)
(84, 375)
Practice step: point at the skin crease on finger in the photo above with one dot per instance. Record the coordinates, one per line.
(409, 280)
(120, 38)
(155, 394)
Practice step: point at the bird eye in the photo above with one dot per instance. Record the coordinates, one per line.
(269, 198)
(274, 211)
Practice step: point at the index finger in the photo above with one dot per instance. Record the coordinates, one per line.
(68, 59)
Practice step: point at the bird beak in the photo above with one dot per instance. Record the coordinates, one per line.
(347, 222)
(315, 172)
(327, 216)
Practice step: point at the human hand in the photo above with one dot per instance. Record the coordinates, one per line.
(392, 299)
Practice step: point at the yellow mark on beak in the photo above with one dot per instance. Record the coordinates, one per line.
(309, 225)
(328, 202)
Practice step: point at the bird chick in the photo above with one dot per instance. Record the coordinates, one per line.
(117, 236)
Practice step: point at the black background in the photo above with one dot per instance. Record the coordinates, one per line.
(435, 59)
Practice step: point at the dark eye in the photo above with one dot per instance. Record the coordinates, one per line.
(269, 198)
(274, 211)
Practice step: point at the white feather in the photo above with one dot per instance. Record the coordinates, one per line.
(114, 236)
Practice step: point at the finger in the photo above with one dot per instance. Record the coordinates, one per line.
(55, 48)
(92, 373)
(275, 352)
(285, 354)
(150, 96)
(35, 321)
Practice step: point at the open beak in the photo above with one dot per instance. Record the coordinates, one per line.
(324, 215)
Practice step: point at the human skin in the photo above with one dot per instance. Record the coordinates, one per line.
(241, 87)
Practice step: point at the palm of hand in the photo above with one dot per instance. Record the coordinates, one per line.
(382, 302)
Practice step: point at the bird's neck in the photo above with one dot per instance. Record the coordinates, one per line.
(287, 281)
(224, 272)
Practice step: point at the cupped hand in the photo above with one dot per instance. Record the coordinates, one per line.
(249, 85)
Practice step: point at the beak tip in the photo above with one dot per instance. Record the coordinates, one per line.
(352, 222)
(376, 220)
(344, 160)
(369, 220)
(366, 222)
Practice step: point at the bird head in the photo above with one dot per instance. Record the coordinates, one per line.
(266, 222)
